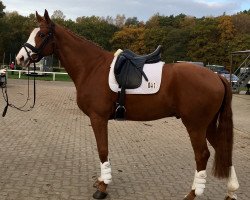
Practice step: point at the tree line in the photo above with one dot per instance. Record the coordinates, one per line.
(207, 39)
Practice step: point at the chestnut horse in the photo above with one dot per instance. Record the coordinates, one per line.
(201, 98)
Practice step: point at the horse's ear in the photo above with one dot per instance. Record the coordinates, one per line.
(46, 16)
(38, 17)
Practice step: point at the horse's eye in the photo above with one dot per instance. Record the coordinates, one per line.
(42, 35)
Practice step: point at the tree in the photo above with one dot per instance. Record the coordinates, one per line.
(2, 7)
(129, 38)
(120, 20)
(204, 42)
(155, 36)
(132, 21)
(240, 42)
(187, 22)
(153, 21)
(176, 45)
(96, 29)
(109, 20)
(226, 28)
(15, 30)
(241, 23)
(245, 12)
(58, 14)
(207, 39)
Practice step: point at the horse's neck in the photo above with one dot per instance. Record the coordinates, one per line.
(78, 56)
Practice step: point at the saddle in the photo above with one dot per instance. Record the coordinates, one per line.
(128, 72)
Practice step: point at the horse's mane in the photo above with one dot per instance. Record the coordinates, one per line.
(82, 38)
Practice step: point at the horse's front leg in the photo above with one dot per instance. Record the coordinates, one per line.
(100, 128)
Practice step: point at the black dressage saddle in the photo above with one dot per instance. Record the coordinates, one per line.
(129, 72)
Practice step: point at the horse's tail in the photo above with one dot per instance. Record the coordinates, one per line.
(224, 135)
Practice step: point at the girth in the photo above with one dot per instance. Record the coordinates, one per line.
(129, 72)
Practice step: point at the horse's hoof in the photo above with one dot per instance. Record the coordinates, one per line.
(99, 195)
(229, 198)
(190, 196)
(186, 198)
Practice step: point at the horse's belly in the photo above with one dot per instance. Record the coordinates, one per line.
(148, 107)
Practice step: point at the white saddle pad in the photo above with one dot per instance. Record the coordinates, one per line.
(152, 71)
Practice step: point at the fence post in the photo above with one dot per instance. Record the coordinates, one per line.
(19, 74)
(54, 76)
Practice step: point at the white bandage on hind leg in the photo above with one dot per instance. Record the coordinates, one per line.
(106, 176)
(232, 184)
(199, 182)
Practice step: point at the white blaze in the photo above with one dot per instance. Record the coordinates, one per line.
(22, 53)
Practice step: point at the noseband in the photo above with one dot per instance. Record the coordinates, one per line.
(38, 50)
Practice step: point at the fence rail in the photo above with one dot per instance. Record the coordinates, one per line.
(22, 72)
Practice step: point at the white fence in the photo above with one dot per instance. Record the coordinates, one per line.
(25, 72)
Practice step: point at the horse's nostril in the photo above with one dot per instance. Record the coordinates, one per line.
(19, 59)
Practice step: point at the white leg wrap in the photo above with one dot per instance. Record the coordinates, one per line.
(232, 184)
(106, 176)
(199, 182)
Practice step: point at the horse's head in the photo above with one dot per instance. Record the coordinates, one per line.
(40, 42)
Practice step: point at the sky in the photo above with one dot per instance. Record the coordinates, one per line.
(142, 9)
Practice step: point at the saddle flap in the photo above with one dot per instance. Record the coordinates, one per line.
(128, 73)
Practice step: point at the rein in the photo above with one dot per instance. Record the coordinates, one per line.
(21, 108)
(38, 53)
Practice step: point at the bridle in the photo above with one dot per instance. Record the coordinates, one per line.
(38, 52)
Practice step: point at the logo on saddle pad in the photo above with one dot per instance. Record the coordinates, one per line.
(147, 81)
(151, 85)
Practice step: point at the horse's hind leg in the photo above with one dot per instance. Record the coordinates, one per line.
(232, 183)
(199, 144)
(100, 128)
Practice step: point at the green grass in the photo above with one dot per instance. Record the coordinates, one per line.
(49, 77)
